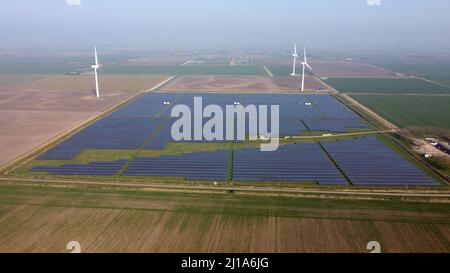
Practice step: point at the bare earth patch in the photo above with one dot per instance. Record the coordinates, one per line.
(34, 111)
(240, 84)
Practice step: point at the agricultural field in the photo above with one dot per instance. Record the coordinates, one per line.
(386, 86)
(45, 219)
(332, 68)
(10, 80)
(172, 58)
(239, 84)
(209, 61)
(350, 69)
(51, 65)
(185, 70)
(435, 68)
(28, 66)
(35, 109)
(282, 70)
(410, 110)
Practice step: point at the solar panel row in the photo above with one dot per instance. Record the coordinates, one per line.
(146, 106)
(92, 168)
(194, 166)
(107, 133)
(367, 161)
(296, 162)
(333, 125)
(131, 125)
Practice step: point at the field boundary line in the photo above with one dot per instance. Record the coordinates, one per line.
(268, 71)
(443, 194)
(370, 112)
(26, 157)
(161, 84)
(336, 165)
(136, 154)
(355, 103)
(344, 135)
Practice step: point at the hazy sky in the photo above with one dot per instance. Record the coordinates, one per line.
(226, 23)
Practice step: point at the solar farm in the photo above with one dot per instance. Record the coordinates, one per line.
(143, 127)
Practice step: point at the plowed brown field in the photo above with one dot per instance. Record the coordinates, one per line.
(44, 220)
(240, 84)
(36, 109)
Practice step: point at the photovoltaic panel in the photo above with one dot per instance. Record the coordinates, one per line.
(296, 162)
(333, 125)
(92, 168)
(107, 133)
(149, 105)
(367, 161)
(192, 166)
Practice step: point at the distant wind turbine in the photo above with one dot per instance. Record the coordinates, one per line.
(305, 65)
(96, 66)
(295, 55)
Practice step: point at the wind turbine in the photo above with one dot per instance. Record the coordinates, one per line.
(295, 55)
(305, 65)
(96, 66)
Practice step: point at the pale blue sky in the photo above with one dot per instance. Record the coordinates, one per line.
(226, 23)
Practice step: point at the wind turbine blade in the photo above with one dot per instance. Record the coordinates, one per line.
(303, 78)
(310, 68)
(304, 54)
(295, 49)
(96, 58)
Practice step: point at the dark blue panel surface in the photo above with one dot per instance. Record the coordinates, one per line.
(295, 162)
(367, 161)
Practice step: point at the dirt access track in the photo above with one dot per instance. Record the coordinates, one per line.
(34, 110)
(240, 84)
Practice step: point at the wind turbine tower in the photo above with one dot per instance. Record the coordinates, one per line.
(305, 65)
(96, 66)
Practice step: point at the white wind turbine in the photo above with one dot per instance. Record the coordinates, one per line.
(305, 65)
(295, 55)
(96, 66)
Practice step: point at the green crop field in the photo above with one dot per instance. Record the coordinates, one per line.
(281, 70)
(27, 66)
(415, 110)
(54, 65)
(381, 86)
(185, 70)
(45, 218)
(200, 61)
(429, 68)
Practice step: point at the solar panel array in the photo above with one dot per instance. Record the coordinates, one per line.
(367, 161)
(149, 105)
(333, 125)
(92, 168)
(296, 162)
(130, 126)
(107, 133)
(195, 166)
